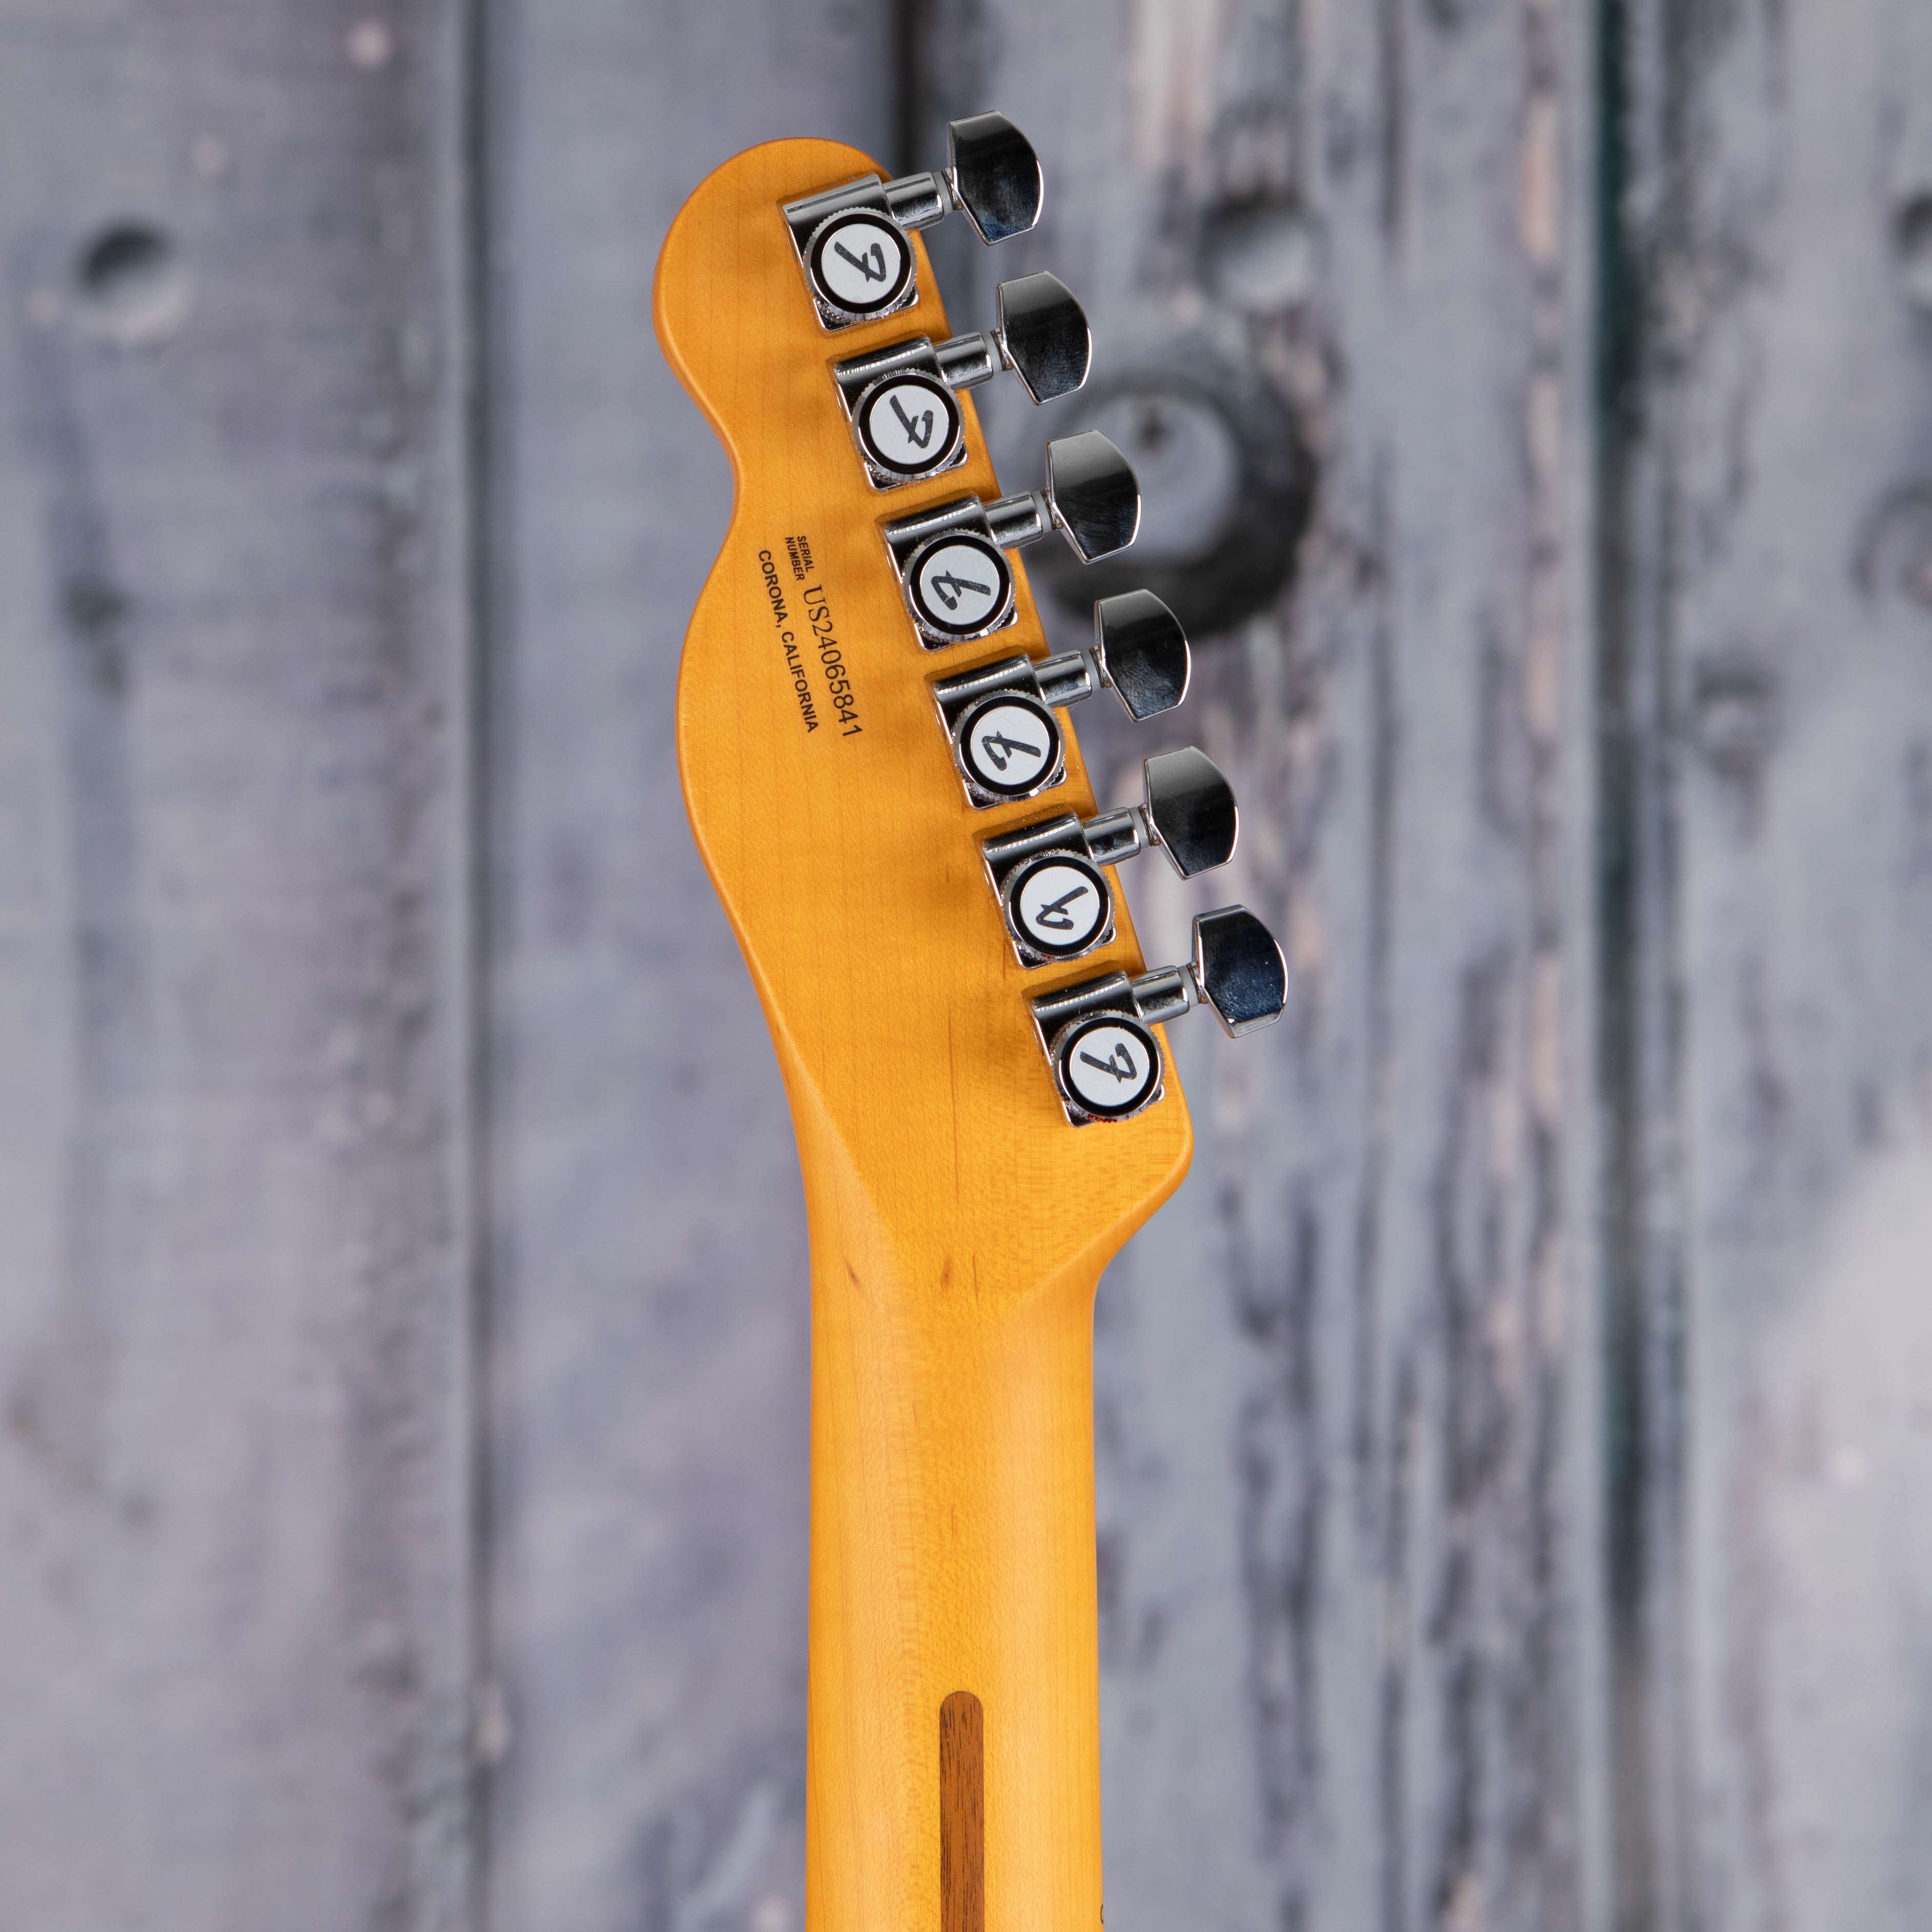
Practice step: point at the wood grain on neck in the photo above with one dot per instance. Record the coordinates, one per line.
(952, 1546)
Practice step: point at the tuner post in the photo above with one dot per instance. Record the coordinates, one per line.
(1139, 653)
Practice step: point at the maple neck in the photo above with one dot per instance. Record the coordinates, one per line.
(953, 1777)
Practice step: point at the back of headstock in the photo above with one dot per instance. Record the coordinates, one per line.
(882, 782)
(843, 626)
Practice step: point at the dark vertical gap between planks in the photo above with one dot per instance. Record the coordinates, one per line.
(1391, 87)
(1389, 1508)
(1618, 366)
(62, 1405)
(1643, 1364)
(484, 767)
(962, 1814)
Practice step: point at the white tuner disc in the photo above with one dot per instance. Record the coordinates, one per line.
(1010, 745)
(1110, 1066)
(960, 585)
(1059, 905)
(908, 425)
(860, 262)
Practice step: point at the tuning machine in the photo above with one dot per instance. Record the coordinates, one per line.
(1006, 740)
(1096, 1037)
(851, 240)
(900, 399)
(1140, 653)
(1047, 876)
(958, 586)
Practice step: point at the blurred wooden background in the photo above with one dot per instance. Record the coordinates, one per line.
(1516, 1441)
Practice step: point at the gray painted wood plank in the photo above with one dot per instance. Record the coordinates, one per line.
(233, 1460)
(649, 1299)
(1346, 1377)
(1774, 696)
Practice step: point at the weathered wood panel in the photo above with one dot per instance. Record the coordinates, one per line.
(234, 1462)
(1346, 1377)
(1769, 718)
(649, 1303)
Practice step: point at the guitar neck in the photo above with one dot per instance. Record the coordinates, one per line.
(953, 1778)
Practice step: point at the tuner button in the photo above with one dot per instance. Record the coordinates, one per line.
(1043, 336)
(1093, 494)
(1190, 809)
(907, 424)
(995, 176)
(1008, 745)
(1239, 970)
(1142, 653)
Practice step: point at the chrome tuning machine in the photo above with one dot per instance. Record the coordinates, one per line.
(900, 399)
(1140, 653)
(1106, 1061)
(1047, 876)
(851, 240)
(1006, 740)
(957, 584)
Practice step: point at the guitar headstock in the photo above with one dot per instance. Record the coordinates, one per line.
(871, 729)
